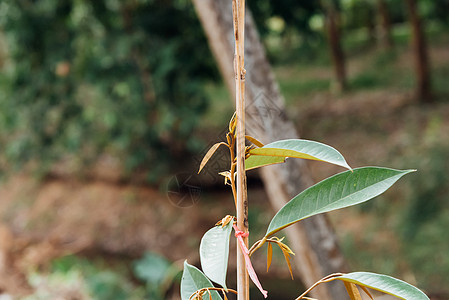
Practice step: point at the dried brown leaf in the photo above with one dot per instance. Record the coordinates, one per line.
(254, 141)
(209, 154)
(352, 290)
(226, 175)
(366, 292)
(230, 138)
(233, 123)
(269, 255)
(287, 259)
(224, 296)
(285, 247)
(225, 221)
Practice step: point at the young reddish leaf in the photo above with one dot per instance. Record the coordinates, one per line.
(287, 259)
(254, 141)
(209, 154)
(286, 251)
(352, 290)
(269, 255)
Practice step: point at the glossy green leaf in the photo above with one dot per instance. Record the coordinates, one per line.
(194, 280)
(386, 284)
(339, 191)
(256, 161)
(214, 253)
(302, 149)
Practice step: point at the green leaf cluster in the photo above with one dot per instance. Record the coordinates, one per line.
(339, 191)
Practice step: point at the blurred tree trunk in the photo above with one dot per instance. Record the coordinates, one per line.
(419, 44)
(371, 23)
(371, 26)
(332, 25)
(385, 32)
(313, 240)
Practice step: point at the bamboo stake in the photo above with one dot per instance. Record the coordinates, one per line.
(238, 8)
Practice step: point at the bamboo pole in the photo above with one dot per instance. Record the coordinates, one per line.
(313, 240)
(242, 201)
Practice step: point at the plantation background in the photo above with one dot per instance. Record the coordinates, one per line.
(105, 106)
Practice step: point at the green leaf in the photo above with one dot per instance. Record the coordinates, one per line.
(339, 191)
(256, 161)
(302, 149)
(214, 253)
(194, 280)
(386, 284)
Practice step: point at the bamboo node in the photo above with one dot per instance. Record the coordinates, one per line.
(243, 75)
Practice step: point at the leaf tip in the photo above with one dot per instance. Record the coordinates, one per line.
(409, 171)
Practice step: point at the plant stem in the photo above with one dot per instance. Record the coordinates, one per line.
(327, 278)
(233, 165)
(242, 202)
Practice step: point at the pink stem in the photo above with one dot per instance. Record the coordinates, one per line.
(252, 274)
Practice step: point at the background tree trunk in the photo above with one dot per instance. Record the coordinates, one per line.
(371, 23)
(385, 29)
(423, 81)
(333, 35)
(313, 240)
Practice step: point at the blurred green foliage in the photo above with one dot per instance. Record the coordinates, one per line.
(157, 273)
(91, 77)
(82, 78)
(98, 279)
(295, 14)
(288, 24)
(424, 221)
(414, 242)
(105, 279)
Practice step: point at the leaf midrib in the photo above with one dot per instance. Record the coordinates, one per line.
(337, 201)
